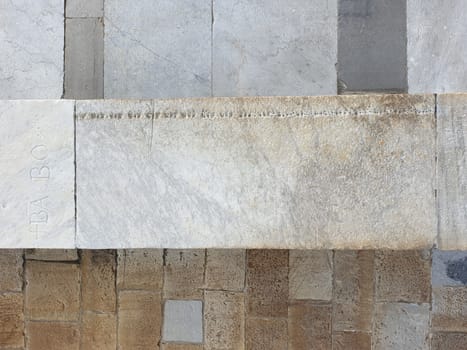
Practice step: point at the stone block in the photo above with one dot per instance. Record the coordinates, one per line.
(449, 310)
(403, 276)
(351, 341)
(98, 280)
(84, 8)
(32, 51)
(267, 283)
(274, 48)
(353, 291)
(52, 291)
(11, 320)
(52, 254)
(52, 336)
(310, 274)
(11, 270)
(84, 58)
(443, 341)
(174, 63)
(36, 166)
(449, 268)
(139, 320)
(98, 331)
(183, 321)
(224, 320)
(140, 269)
(225, 269)
(172, 346)
(401, 326)
(266, 334)
(184, 274)
(436, 45)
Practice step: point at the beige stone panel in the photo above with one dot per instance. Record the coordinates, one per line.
(140, 269)
(98, 331)
(266, 334)
(52, 254)
(225, 269)
(11, 270)
(351, 341)
(11, 320)
(52, 336)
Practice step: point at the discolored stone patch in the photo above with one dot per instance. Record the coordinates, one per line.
(351, 341)
(449, 268)
(266, 334)
(225, 269)
(11, 270)
(449, 309)
(52, 254)
(52, 336)
(140, 269)
(170, 346)
(183, 321)
(98, 331)
(11, 320)
(449, 341)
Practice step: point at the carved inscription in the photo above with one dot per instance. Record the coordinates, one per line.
(39, 175)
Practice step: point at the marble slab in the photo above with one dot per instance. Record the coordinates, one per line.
(37, 208)
(312, 172)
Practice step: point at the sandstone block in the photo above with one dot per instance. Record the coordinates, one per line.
(351, 341)
(225, 269)
(449, 309)
(140, 269)
(11, 320)
(443, 341)
(11, 270)
(52, 254)
(98, 331)
(52, 336)
(266, 334)
(184, 274)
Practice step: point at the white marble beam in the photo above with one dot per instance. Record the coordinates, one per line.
(313, 172)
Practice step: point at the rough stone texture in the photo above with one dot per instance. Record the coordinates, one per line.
(353, 291)
(183, 321)
(84, 58)
(351, 341)
(274, 48)
(140, 269)
(446, 341)
(449, 268)
(266, 334)
(184, 274)
(401, 326)
(267, 283)
(372, 45)
(31, 64)
(98, 280)
(449, 309)
(11, 320)
(452, 165)
(174, 63)
(224, 320)
(139, 320)
(84, 8)
(98, 331)
(37, 171)
(11, 270)
(309, 325)
(310, 274)
(403, 276)
(52, 291)
(52, 336)
(436, 45)
(225, 269)
(52, 254)
(255, 172)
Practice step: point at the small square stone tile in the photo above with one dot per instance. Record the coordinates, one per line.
(403, 275)
(310, 274)
(351, 341)
(84, 8)
(309, 325)
(98, 280)
(224, 320)
(139, 320)
(52, 291)
(52, 254)
(353, 290)
(52, 336)
(449, 341)
(98, 331)
(11, 320)
(140, 269)
(184, 274)
(449, 268)
(183, 321)
(401, 326)
(225, 269)
(11, 270)
(449, 310)
(267, 283)
(170, 346)
(266, 334)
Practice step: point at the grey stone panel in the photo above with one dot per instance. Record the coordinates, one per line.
(449, 268)
(85, 8)
(183, 321)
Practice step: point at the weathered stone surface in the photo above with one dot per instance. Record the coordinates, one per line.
(403, 276)
(52, 254)
(449, 309)
(98, 331)
(172, 346)
(436, 45)
(184, 274)
(267, 283)
(225, 269)
(98, 280)
(310, 274)
(11, 270)
(139, 320)
(52, 336)
(309, 325)
(174, 63)
(84, 58)
(183, 321)
(224, 320)
(140, 269)
(443, 341)
(52, 291)
(11, 320)
(266, 334)
(353, 291)
(257, 172)
(452, 166)
(36, 166)
(449, 268)
(274, 48)
(84, 8)
(32, 50)
(351, 341)
(401, 326)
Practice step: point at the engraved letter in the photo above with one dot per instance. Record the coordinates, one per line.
(40, 173)
(39, 152)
